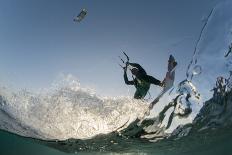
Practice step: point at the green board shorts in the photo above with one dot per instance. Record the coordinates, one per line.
(141, 89)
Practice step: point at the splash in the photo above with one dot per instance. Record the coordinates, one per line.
(66, 110)
(209, 61)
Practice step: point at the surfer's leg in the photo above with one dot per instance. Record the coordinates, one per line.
(137, 95)
(140, 93)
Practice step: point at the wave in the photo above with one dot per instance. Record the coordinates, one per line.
(66, 111)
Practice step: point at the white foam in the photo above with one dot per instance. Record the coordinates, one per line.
(69, 111)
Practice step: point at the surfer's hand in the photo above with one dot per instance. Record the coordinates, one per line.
(125, 68)
(127, 63)
(162, 84)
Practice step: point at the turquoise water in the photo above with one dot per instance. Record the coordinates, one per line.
(210, 142)
(12, 144)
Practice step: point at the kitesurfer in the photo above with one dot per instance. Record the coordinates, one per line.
(141, 80)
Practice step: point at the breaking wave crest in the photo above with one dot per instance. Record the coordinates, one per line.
(66, 110)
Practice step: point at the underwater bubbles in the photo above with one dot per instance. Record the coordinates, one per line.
(196, 70)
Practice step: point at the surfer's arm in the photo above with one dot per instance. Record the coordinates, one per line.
(153, 80)
(126, 79)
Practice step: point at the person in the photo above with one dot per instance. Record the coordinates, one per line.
(141, 80)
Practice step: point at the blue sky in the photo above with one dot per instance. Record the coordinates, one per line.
(39, 40)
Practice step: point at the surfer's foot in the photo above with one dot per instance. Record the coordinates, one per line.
(174, 64)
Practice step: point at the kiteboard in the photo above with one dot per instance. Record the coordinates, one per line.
(168, 80)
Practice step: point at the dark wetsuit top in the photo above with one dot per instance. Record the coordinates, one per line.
(142, 81)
